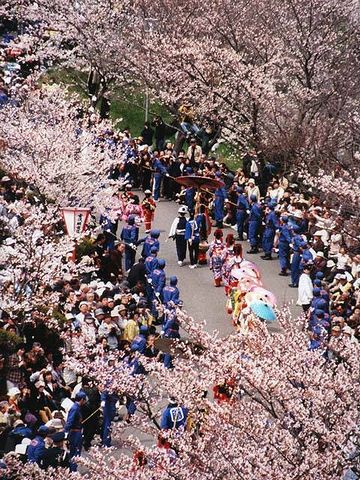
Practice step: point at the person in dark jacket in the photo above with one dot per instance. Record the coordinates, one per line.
(147, 134)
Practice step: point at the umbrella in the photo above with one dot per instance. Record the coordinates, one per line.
(205, 183)
(249, 272)
(254, 297)
(238, 273)
(266, 296)
(252, 266)
(263, 311)
(245, 283)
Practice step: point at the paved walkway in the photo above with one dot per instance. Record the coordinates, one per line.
(202, 300)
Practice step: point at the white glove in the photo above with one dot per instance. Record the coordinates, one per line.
(102, 404)
(167, 175)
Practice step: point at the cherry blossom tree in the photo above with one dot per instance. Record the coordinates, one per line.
(280, 75)
(35, 258)
(88, 35)
(290, 413)
(64, 157)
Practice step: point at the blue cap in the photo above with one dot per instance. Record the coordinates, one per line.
(253, 198)
(319, 312)
(161, 263)
(80, 396)
(143, 329)
(239, 190)
(43, 430)
(173, 280)
(58, 437)
(284, 218)
(131, 220)
(316, 291)
(319, 275)
(296, 229)
(321, 303)
(155, 233)
(218, 174)
(317, 282)
(154, 249)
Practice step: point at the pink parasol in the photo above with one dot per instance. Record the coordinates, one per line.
(264, 295)
(251, 266)
(246, 283)
(242, 271)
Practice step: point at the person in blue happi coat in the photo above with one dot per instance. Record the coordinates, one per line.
(108, 406)
(254, 224)
(37, 448)
(158, 278)
(159, 172)
(242, 207)
(151, 261)
(271, 225)
(285, 236)
(130, 235)
(74, 427)
(219, 199)
(171, 292)
(189, 198)
(139, 342)
(192, 235)
(170, 329)
(150, 241)
(297, 244)
(174, 416)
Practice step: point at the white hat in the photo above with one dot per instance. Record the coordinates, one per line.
(83, 303)
(69, 316)
(320, 254)
(251, 180)
(319, 233)
(9, 241)
(148, 192)
(114, 312)
(183, 209)
(340, 276)
(298, 214)
(13, 391)
(348, 330)
(330, 263)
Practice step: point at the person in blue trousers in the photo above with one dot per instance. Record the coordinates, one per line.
(254, 224)
(73, 427)
(130, 235)
(151, 261)
(108, 405)
(295, 268)
(159, 171)
(150, 241)
(171, 292)
(158, 278)
(220, 196)
(284, 246)
(271, 225)
(242, 206)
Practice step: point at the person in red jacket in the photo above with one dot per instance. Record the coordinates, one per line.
(148, 206)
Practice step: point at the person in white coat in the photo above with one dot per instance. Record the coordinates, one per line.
(305, 292)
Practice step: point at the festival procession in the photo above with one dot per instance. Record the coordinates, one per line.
(118, 241)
